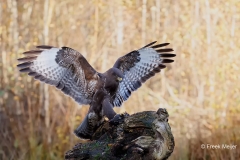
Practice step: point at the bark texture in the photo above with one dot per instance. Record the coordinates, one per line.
(144, 135)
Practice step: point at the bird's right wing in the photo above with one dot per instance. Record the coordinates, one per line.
(64, 68)
(138, 66)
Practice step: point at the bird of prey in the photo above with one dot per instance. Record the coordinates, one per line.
(67, 70)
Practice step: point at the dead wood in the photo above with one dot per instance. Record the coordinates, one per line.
(144, 135)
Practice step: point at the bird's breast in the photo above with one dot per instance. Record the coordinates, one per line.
(112, 89)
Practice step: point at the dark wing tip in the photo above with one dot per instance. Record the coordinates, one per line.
(167, 55)
(68, 48)
(65, 47)
(26, 59)
(165, 50)
(39, 77)
(24, 65)
(161, 66)
(148, 45)
(44, 47)
(160, 45)
(32, 52)
(25, 70)
(32, 74)
(167, 61)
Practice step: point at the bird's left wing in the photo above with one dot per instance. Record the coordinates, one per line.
(138, 66)
(64, 68)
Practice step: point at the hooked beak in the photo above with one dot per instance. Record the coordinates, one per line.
(119, 79)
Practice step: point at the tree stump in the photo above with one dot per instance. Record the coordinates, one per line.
(144, 135)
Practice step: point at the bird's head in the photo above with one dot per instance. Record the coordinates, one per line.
(115, 74)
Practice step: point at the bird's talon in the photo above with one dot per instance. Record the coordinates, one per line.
(118, 118)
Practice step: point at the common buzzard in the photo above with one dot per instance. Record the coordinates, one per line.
(71, 73)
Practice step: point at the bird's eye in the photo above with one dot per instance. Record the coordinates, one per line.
(119, 79)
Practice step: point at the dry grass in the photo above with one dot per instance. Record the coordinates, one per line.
(201, 90)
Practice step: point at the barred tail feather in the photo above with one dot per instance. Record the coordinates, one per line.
(84, 131)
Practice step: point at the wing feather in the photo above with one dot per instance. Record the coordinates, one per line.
(64, 68)
(138, 66)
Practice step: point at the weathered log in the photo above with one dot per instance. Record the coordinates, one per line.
(143, 135)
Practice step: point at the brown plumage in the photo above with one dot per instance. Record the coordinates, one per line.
(69, 71)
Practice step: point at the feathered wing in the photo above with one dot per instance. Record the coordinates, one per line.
(138, 66)
(64, 68)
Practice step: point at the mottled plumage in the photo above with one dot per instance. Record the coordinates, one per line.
(70, 72)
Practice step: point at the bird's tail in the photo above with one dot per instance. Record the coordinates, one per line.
(90, 123)
(84, 131)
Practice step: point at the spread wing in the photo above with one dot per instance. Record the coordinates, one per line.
(64, 68)
(138, 66)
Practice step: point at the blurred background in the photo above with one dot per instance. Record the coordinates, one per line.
(200, 90)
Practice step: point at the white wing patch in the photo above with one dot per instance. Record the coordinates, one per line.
(46, 65)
